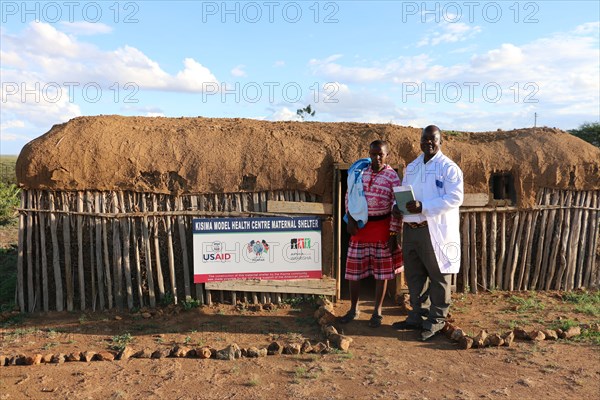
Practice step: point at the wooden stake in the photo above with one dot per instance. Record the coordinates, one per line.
(552, 243)
(484, 248)
(89, 201)
(159, 274)
(80, 273)
(500, 265)
(66, 229)
(136, 252)
(184, 252)
(171, 256)
(126, 227)
(199, 286)
(493, 244)
(574, 243)
(100, 239)
(473, 251)
(564, 244)
(147, 255)
(528, 251)
(29, 232)
(512, 258)
(107, 275)
(590, 269)
(584, 238)
(55, 257)
(523, 268)
(466, 243)
(43, 252)
(541, 240)
(38, 267)
(20, 272)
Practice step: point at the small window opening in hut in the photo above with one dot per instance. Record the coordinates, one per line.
(503, 187)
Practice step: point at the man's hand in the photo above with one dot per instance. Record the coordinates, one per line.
(414, 207)
(352, 226)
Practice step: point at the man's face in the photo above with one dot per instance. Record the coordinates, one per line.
(378, 156)
(430, 143)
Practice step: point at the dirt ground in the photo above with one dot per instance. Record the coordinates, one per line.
(381, 362)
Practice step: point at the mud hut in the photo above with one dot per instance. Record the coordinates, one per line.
(108, 201)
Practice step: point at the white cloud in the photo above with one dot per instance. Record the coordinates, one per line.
(12, 124)
(238, 71)
(283, 114)
(154, 114)
(449, 33)
(279, 64)
(85, 28)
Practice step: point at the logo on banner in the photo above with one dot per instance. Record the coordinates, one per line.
(215, 252)
(300, 243)
(258, 249)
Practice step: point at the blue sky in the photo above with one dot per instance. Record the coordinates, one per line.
(472, 65)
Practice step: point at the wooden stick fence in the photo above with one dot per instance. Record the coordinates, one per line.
(122, 249)
(554, 245)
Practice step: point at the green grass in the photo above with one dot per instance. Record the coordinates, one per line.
(10, 199)
(119, 342)
(526, 305)
(7, 168)
(585, 302)
(8, 278)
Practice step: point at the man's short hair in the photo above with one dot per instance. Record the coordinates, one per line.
(432, 129)
(379, 143)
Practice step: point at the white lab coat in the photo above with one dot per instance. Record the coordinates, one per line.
(441, 183)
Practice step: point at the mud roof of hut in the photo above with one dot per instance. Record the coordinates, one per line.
(208, 155)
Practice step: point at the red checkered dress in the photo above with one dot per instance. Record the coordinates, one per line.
(368, 252)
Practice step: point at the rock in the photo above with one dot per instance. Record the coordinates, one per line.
(465, 342)
(328, 318)
(244, 352)
(203, 352)
(550, 334)
(126, 353)
(47, 358)
(252, 352)
(146, 315)
(571, 332)
(73, 357)
(494, 340)
(33, 360)
(457, 334)
(262, 352)
(117, 318)
(520, 333)
(255, 307)
(230, 352)
(179, 351)
(306, 347)
(292, 348)
(537, 335)
(58, 358)
(319, 313)
(479, 340)
(269, 306)
(341, 342)
(329, 330)
(3, 360)
(105, 356)
(160, 353)
(320, 348)
(508, 338)
(274, 348)
(146, 353)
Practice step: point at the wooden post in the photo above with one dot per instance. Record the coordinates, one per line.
(509, 279)
(117, 260)
(80, 273)
(564, 244)
(551, 242)
(55, 257)
(159, 275)
(38, 256)
(29, 232)
(493, 244)
(199, 286)
(500, 265)
(473, 251)
(136, 252)
(584, 237)
(574, 243)
(531, 225)
(100, 262)
(539, 254)
(66, 228)
(171, 256)
(42, 218)
(147, 254)
(338, 236)
(89, 201)
(20, 272)
(484, 248)
(126, 227)
(466, 243)
(184, 251)
(555, 245)
(590, 264)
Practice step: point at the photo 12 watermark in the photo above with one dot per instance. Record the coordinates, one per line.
(253, 12)
(470, 92)
(271, 92)
(54, 92)
(70, 11)
(471, 11)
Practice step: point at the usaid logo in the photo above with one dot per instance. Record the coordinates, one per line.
(215, 253)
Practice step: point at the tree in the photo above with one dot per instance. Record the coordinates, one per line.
(302, 112)
(588, 131)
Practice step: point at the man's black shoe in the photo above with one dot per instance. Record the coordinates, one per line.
(405, 325)
(426, 334)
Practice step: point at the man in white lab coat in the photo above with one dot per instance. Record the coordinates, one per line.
(431, 234)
